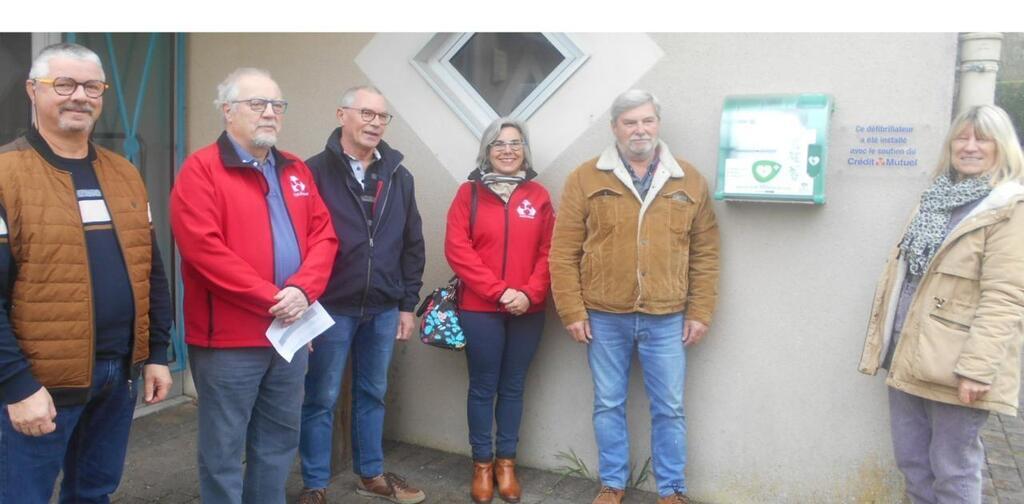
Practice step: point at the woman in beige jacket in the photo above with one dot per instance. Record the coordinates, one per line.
(947, 315)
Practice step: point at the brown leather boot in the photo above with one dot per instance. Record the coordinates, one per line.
(505, 475)
(676, 498)
(483, 482)
(609, 495)
(312, 496)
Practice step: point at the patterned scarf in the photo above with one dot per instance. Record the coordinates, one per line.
(503, 185)
(928, 229)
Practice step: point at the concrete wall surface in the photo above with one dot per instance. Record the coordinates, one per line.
(776, 409)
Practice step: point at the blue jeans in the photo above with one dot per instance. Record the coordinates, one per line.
(249, 401)
(370, 340)
(90, 443)
(658, 338)
(499, 349)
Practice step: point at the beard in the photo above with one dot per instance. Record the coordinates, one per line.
(70, 125)
(640, 150)
(264, 140)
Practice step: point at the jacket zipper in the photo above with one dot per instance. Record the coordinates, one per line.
(504, 252)
(288, 211)
(370, 232)
(131, 287)
(278, 173)
(639, 236)
(92, 300)
(270, 220)
(209, 330)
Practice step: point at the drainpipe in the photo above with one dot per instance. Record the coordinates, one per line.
(979, 65)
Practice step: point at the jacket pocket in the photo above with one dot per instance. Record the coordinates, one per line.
(599, 248)
(957, 280)
(943, 335)
(604, 205)
(680, 211)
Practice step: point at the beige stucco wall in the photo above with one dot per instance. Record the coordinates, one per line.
(776, 409)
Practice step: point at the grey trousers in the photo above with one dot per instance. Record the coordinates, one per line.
(938, 448)
(250, 401)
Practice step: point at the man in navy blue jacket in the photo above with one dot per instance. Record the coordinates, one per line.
(371, 294)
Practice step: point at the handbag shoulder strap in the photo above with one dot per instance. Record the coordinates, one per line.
(454, 280)
(472, 211)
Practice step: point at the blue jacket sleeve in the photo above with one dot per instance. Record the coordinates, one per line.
(160, 310)
(16, 380)
(414, 255)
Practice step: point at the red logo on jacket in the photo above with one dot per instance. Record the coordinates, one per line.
(526, 210)
(298, 187)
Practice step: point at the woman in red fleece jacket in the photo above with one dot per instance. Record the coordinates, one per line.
(501, 256)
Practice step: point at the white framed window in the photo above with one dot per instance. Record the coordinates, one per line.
(483, 76)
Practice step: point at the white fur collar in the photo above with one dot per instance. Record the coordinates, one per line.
(1001, 195)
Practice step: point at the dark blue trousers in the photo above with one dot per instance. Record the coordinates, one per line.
(499, 349)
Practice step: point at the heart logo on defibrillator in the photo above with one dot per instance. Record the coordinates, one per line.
(765, 170)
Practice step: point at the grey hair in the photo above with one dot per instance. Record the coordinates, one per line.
(227, 90)
(41, 63)
(632, 99)
(483, 158)
(349, 96)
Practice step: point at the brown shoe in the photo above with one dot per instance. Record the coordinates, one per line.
(483, 482)
(505, 475)
(609, 495)
(312, 496)
(675, 498)
(390, 486)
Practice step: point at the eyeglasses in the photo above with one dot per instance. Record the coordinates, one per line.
(368, 115)
(258, 105)
(515, 145)
(66, 86)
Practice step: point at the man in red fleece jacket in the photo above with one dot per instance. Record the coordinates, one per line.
(256, 244)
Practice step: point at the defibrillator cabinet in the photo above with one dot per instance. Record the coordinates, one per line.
(774, 148)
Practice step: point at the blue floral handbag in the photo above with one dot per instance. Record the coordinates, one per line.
(439, 312)
(439, 325)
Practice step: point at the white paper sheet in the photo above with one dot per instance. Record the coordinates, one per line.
(288, 340)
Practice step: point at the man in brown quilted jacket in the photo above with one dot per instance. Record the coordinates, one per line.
(84, 304)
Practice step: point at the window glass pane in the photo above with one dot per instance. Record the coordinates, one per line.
(1010, 84)
(506, 67)
(15, 109)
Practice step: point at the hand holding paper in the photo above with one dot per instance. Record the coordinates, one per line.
(289, 339)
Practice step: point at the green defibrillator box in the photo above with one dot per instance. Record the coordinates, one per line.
(774, 148)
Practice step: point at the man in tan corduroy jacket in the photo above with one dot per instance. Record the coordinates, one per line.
(634, 264)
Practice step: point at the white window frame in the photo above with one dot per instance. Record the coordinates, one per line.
(433, 63)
